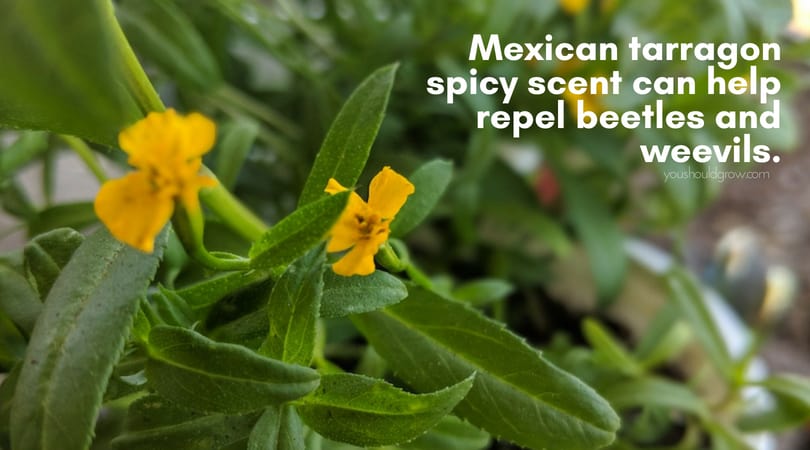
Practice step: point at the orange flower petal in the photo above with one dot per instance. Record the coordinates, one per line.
(200, 135)
(190, 196)
(346, 231)
(359, 260)
(133, 211)
(149, 136)
(333, 187)
(167, 137)
(388, 192)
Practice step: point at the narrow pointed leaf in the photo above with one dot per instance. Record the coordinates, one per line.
(451, 432)
(655, 392)
(47, 254)
(279, 428)
(609, 351)
(162, 33)
(293, 311)
(69, 215)
(29, 146)
(18, 300)
(600, 235)
(370, 412)
(183, 364)
(154, 423)
(236, 140)
(347, 145)
(343, 296)
(686, 294)
(791, 405)
(76, 342)
(430, 181)
(207, 292)
(431, 342)
(297, 233)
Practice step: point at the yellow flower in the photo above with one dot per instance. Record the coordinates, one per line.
(364, 227)
(167, 150)
(590, 102)
(574, 7)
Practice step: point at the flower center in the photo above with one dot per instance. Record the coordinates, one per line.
(371, 225)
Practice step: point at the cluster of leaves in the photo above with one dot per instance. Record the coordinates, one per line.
(105, 346)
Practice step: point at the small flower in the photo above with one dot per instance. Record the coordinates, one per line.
(166, 149)
(574, 7)
(363, 227)
(590, 102)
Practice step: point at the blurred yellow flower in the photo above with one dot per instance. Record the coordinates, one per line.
(166, 149)
(364, 227)
(574, 7)
(800, 24)
(590, 102)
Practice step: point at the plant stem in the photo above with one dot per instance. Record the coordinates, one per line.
(86, 154)
(189, 225)
(232, 211)
(418, 277)
(232, 96)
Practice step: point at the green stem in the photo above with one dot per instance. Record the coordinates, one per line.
(86, 154)
(388, 258)
(306, 27)
(232, 211)
(418, 277)
(232, 96)
(189, 228)
(277, 144)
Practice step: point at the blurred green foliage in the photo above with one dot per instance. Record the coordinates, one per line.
(515, 233)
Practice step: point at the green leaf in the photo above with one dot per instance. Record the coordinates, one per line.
(297, 233)
(666, 336)
(47, 254)
(369, 412)
(357, 294)
(431, 342)
(451, 432)
(724, 437)
(686, 294)
(206, 293)
(600, 235)
(430, 181)
(169, 308)
(609, 351)
(183, 363)
(25, 149)
(236, 140)
(161, 32)
(77, 341)
(18, 299)
(791, 406)
(15, 201)
(483, 292)
(293, 311)
(249, 330)
(347, 145)
(7, 388)
(67, 68)
(279, 428)
(655, 392)
(154, 423)
(69, 215)
(529, 224)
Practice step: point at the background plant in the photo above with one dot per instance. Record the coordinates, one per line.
(163, 351)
